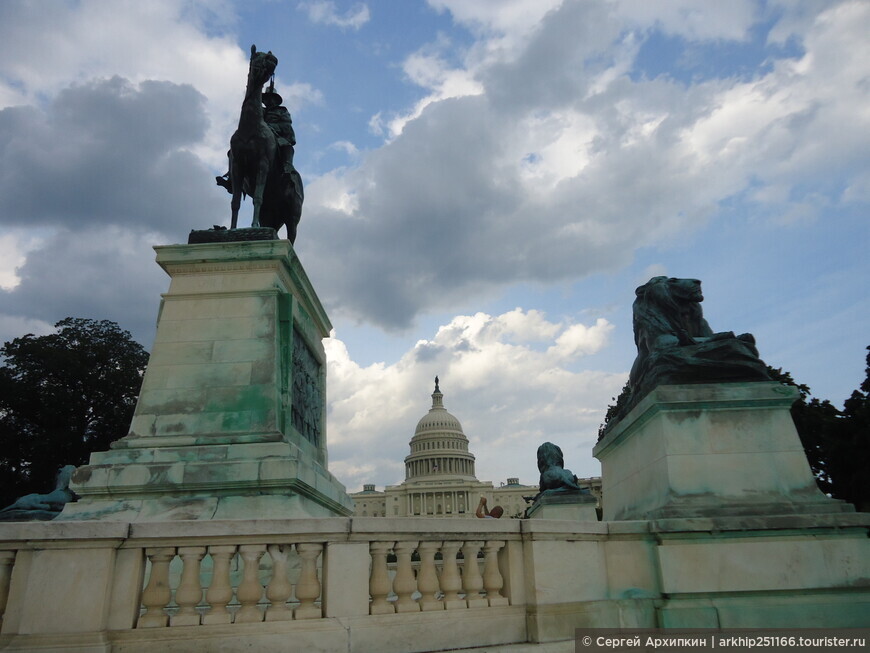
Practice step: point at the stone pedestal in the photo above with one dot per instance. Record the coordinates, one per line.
(573, 505)
(709, 450)
(231, 419)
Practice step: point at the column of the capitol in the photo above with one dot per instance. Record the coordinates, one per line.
(230, 422)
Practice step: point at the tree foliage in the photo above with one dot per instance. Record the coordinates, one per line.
(62, 396)
(837, 442)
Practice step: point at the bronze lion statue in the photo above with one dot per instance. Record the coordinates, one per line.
(675, 345)
(554, 476)
(42, 506)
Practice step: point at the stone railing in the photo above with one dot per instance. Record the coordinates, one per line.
(413, 585)
(199, 597)
(218, 575)
(249, 583)
(436, 585)
(7, 560)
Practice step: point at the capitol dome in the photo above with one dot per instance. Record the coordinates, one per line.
(439, 448)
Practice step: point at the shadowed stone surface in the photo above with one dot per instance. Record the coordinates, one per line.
(224, 235)
(707, 450)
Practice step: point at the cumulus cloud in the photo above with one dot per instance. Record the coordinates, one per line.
(89, 183)
(92, 271)
(179, 42)
(326, 13)
(109, 152)
(554, 159)
(509, 378)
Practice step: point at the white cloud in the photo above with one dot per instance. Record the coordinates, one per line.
(345, 146)
(12, 327)
(580, 340)
(14, 246)
(551, 162)
(43, 51)
(692, 20)
(509, 394)
(427, 68)
(325, 12)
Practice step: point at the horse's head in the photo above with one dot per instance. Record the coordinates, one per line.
(262, 66)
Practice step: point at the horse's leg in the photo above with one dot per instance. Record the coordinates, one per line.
(236, 184)
(259, 188)
(293, 216)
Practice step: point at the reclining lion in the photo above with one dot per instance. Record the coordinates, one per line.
(42, 506)
(675, 344)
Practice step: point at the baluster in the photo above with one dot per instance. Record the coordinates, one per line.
(308, 587)
(404, 584)
(189, 592)
(280, 588)
(157, 593)
(220, 592)
(472, 582)
(250, 591)
(379, 581)
(492, 580)
(451, 583)
(427, 579)
(7, 560)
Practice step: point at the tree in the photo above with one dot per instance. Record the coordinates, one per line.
(837, 442)
(614, 410)
(849, 450)
(816, 423)
(62, 396)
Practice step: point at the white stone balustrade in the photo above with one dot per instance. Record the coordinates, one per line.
(250, 591)
(207, 599)
(308, 589)
(189, 592)
(196, 597)
(427, 577)
(431, 584)
(380, 584)
(280, 588)
(7, 560)
(405, 584)
(220, 591)
(196, 585)
(335, 584)
(157, 594)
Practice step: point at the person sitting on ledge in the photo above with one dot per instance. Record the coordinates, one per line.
(484, 513)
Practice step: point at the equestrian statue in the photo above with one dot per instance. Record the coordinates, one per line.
(261, 154)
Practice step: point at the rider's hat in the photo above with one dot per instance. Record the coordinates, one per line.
(272, 94)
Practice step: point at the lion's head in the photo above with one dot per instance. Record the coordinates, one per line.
(549, 456)
(676, 345)
(667, 306)
(554, 476)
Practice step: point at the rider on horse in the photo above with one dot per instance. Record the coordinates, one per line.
(280, 122)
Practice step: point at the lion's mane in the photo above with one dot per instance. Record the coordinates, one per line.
(675, 344)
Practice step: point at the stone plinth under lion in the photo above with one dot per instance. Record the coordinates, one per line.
(703, 431)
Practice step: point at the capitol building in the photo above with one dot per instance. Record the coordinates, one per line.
(439, 476)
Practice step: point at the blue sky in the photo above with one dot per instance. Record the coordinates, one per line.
(487, 181)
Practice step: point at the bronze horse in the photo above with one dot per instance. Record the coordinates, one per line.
(254, 168)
